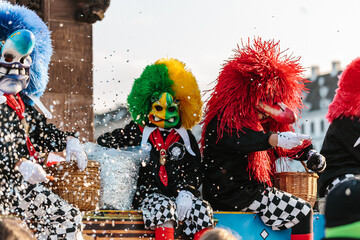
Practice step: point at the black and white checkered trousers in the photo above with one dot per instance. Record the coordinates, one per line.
(340, 179)
(279, 210)
(158, 209)
(50, 216)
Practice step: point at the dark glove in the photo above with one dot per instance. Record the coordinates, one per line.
(316, 162)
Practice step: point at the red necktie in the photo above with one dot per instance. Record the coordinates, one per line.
(157, 140)
(19, 108)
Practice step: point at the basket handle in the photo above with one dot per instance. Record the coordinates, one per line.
(304, 165)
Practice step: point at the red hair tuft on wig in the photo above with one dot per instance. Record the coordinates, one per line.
(256, 73)
(346, 102)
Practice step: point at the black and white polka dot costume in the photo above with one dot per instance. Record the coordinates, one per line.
(52, 217)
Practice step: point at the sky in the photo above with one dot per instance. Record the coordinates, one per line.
(204, 33)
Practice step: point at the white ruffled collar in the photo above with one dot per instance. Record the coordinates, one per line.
(181, 131)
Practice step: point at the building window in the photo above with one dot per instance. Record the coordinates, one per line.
(322, 125)
(312, 127)
(302, 128)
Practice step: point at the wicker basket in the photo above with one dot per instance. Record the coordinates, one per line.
(300, 184)
(80, 188)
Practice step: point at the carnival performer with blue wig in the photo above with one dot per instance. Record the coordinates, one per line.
(24, 59)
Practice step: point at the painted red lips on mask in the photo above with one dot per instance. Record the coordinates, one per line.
(280, 112)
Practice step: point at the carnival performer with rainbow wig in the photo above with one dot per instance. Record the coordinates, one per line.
(165, 103)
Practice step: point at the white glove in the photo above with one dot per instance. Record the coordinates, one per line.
(184, 204)
(32, 172)
(74, 148)
(2, 97)
(289, 140)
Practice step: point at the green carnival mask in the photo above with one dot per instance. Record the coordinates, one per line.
(165, 112)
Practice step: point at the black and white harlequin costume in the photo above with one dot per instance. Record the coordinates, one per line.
(156, 200)
(165, 103)
(247, 127)
(229, 187)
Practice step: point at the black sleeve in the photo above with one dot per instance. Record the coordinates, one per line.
(348, 132)
(130, 135)
(246, 140)
(45, 136)
(191, 176)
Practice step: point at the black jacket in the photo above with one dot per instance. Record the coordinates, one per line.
(183, 173)
(338, 149)
(45, 137)
(227, 184)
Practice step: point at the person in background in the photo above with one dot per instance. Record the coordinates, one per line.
(218, 234)
(12, 229)
(342, 211)
(341, 146)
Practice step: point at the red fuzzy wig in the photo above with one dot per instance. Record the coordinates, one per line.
(346, 102)
(256, 73)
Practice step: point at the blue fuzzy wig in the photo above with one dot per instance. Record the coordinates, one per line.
(15, 17)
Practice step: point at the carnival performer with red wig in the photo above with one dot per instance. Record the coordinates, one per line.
(248, 125)
(341, 145)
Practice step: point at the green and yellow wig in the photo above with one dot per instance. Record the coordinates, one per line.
(171, 76)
